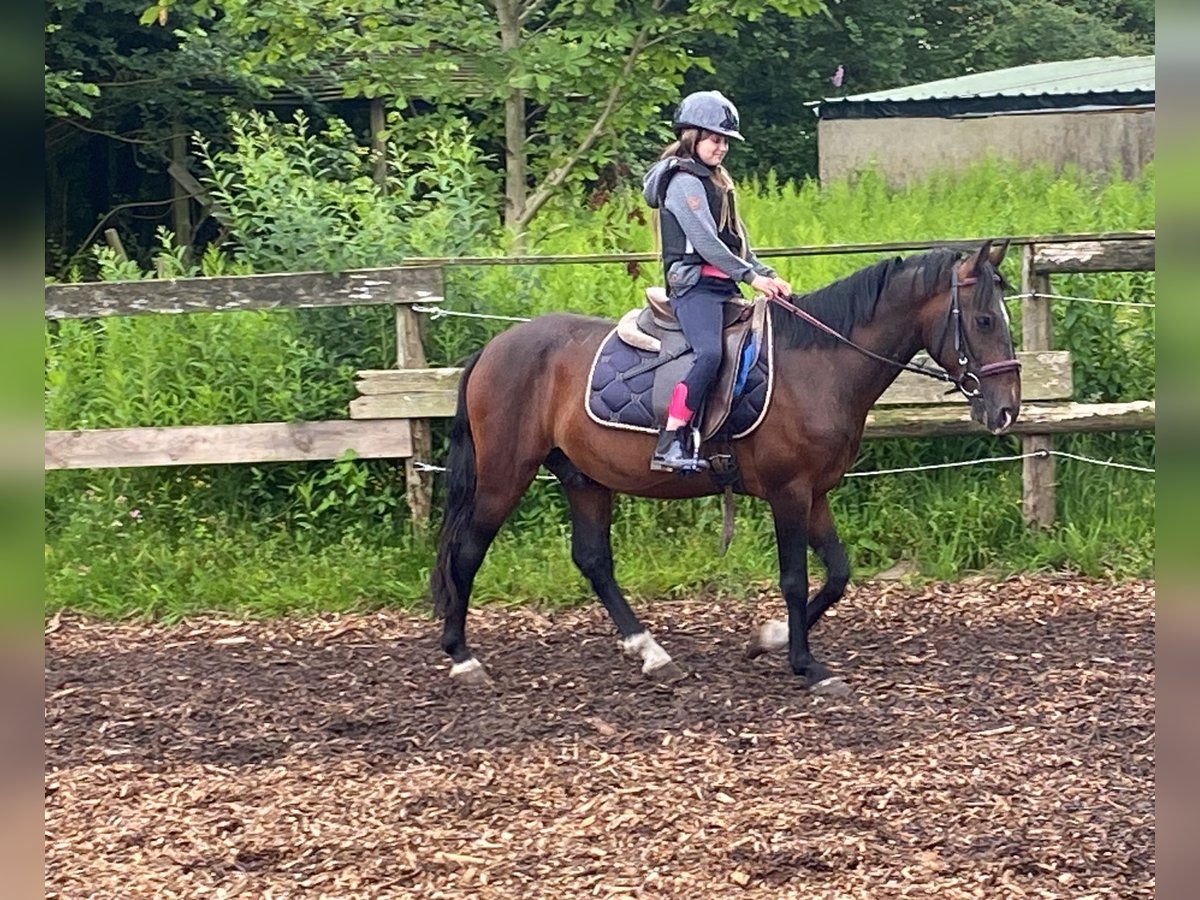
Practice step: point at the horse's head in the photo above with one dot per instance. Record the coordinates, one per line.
(973, 341)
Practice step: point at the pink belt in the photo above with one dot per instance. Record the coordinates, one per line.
(712, 271)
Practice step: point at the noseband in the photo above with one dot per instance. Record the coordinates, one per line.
(962, 348)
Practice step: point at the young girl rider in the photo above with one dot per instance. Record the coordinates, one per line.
(706, 255)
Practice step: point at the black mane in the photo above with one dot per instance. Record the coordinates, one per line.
(853, 300)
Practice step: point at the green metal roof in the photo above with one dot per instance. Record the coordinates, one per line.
(1096, 83)
(1099, 74)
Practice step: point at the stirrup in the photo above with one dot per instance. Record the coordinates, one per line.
(695, 459)
(672, 454)
(684, 465)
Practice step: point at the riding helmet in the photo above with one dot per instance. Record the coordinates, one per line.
(710, 110)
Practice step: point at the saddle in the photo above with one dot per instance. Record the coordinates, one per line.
(643, 327)
(640, 362)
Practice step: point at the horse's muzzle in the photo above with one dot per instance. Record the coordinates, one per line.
(995, 417)
(997, 401)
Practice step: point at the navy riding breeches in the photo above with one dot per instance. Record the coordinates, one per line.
(700, 312)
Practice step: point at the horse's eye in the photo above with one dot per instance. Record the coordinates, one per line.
(984, 323)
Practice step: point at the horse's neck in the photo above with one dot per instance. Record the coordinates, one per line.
(893, 337)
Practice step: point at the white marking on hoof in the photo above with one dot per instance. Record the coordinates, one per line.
(833, 686)
(644, 645)
(772, 635)
(470, 671)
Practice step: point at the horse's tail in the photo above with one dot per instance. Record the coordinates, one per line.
(460, 497)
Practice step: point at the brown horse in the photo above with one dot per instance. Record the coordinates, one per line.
(521, 406)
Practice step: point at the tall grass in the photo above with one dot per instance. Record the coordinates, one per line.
(291, 538)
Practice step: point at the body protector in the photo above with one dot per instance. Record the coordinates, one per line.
(678, 254)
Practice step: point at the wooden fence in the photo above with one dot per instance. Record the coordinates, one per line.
(406, 439)
(1038, 262)
(390, 417)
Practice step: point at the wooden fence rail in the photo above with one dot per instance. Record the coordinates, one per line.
(117, 448)
(302, 290)
(912, 407)
(390, 416)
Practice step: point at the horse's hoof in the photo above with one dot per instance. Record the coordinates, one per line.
(470, 673)
(769, 636)
(833, 686)
(667, 673)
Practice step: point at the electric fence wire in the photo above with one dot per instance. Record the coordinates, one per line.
(1037, 454)
(437, 312)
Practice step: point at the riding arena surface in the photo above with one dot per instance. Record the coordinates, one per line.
(998, 742)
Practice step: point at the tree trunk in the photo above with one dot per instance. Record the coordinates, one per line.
(181, 203)
(515, 171)
(379, 143)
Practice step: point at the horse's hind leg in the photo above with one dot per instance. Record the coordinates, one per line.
(464, 564)
(591, 550)
(492, 504)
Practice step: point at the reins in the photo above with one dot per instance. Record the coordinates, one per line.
(954, 319)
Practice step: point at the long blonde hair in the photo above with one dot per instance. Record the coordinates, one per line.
(685, 147)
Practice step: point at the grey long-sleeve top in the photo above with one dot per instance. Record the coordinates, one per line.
(687, 201)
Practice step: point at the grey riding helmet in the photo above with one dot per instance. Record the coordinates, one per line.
(710, 110)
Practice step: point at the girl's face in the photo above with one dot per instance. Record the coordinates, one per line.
(711, 149)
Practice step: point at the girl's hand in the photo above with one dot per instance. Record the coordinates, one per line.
(771, 287)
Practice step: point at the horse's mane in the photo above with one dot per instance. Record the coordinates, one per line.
(853, 300)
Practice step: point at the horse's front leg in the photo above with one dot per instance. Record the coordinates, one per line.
(823, 538)
(791, 511)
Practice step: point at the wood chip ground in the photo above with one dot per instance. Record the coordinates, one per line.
(999, 742)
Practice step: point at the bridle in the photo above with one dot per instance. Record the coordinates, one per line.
(962, 347)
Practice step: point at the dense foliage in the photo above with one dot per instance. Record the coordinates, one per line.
(270, 538)
(561, 96)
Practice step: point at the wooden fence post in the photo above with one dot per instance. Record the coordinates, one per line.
(1037, 473)
(410, 354)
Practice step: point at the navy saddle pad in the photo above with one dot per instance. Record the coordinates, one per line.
(626, 401)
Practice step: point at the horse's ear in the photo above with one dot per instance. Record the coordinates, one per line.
(997, 255)
(969, 267)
